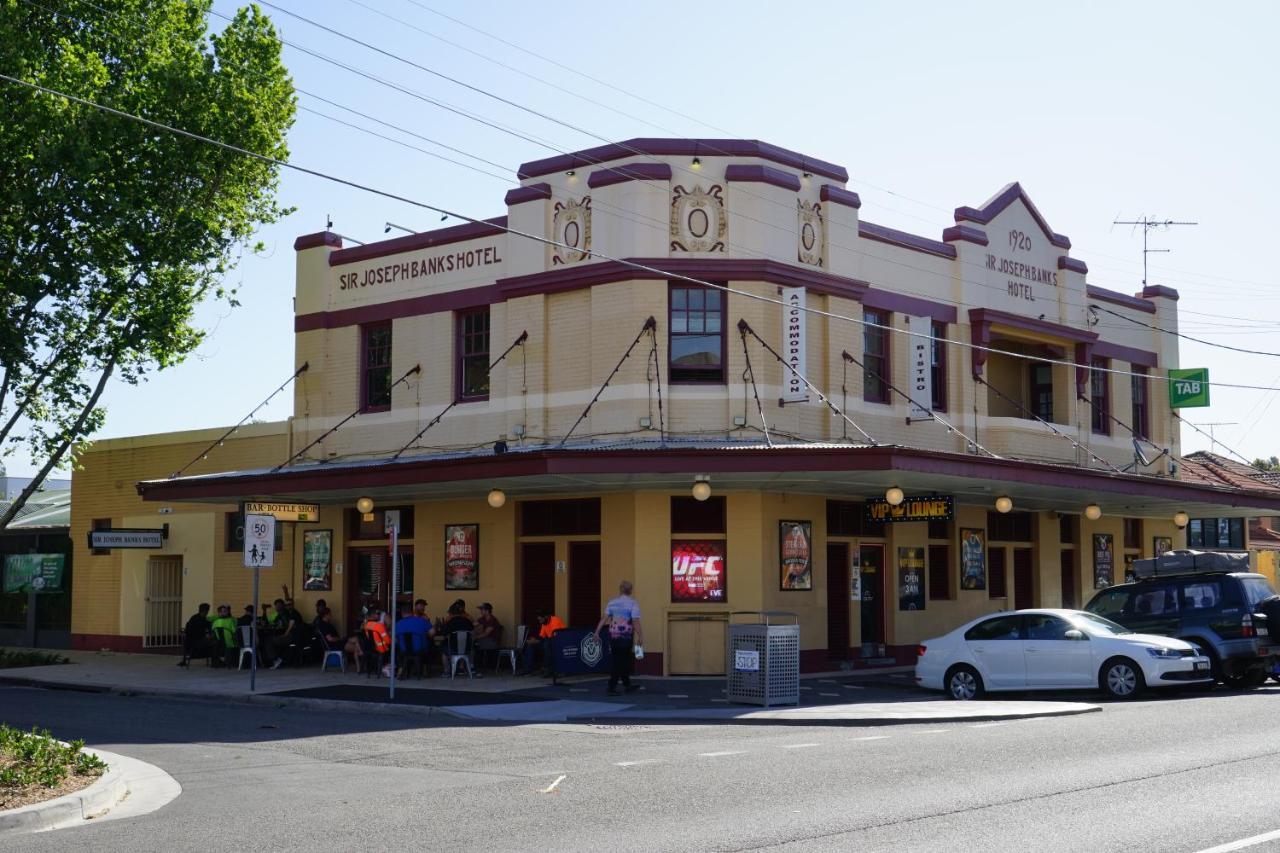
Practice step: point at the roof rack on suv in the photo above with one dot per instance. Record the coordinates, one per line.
(1186, 562)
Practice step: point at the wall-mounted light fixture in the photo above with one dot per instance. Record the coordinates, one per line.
(1004, 503)
(497, 498)
(1181, 519)
(701, 487)
(364, 506)
(894, 496)
(1093, 512)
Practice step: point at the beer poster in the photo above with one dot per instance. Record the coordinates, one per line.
(1161, 545)
(795, 554)
(1104, 561)
(462, 556)
(911, 579)
(317, 560)
(698, 571)
(973, 558)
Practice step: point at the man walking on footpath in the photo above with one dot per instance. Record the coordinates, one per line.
(622, 615)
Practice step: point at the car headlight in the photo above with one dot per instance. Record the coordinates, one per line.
(1163, 653)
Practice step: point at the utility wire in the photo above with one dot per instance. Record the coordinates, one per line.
(1154, 327)
(1049, 426)
(750, 374)
(650, 327)
(1214, 440)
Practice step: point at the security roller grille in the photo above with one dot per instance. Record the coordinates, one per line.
(763, 659)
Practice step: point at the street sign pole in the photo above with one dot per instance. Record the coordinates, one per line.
(253, 662)
(259, 550)
(395, 608)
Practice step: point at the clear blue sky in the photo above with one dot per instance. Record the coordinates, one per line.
(1099, 109)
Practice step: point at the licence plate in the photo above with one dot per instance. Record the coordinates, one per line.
(1200, 665)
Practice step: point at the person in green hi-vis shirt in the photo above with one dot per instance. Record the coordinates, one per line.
(224, 629)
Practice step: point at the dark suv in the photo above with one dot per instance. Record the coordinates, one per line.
(1224, 613)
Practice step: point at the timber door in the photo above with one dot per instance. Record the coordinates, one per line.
(837, 601)
(1023, 579)
(367, 584)
(585, 606)
(871, 559)
(537, 581)
(163, 619)
(1068, 579)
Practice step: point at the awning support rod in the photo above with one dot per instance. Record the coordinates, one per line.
(524, 336)
(750, 374)
(657, 373)
(650, 327)
(417, 368)
(745, 328)
(203, 453)
(1051, 427)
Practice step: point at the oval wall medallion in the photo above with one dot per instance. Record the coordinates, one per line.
(699, 223)
(571, 234)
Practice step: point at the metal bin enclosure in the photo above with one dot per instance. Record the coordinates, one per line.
(763, 658)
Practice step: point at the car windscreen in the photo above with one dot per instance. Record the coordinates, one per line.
(1099, 625)
(1255, 590)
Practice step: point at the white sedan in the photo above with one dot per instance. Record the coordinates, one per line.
(1054, 650)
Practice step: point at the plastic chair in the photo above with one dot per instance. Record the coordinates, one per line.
(246, 644)
(413, 651)
(458, 649)
(370, 654)
(508, 653)
(328, 653)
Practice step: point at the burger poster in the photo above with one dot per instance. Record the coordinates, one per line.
(795, 554)
(462, 556)
(698, 571)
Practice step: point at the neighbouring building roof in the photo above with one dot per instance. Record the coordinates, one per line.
(1210, 468)
(43, 510)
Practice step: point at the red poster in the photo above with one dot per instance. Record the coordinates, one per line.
(462, 556)
(698, 571)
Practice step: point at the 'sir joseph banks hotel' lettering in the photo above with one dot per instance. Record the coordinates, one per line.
(426, 266)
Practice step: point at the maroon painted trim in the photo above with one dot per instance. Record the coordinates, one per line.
(533, 192)
(482, 469)
(322, 238)
(885, 324)
(837, 195)
(1153, 290)
(987, 316)
(900, 303)
(1103, 365)
(967, 233)
(940, 396)
(1072, 265)
(683, 148)
(425, 240)
(709, 378)
(362, 358)
(1133, 355)
(458, 318)
(1104, 295)
(630, 172)
(894, 237)
(453, 300)
(1003, 199)
(762, 175)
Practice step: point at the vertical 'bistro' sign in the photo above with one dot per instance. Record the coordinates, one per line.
(793, 337)
(932, 508)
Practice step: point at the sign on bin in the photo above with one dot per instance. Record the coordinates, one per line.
(746, 660)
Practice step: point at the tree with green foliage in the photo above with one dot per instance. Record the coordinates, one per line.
(1272, 464)
(113, 232)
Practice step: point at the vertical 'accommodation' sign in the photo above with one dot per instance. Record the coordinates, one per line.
(921, 363)
(793, 389)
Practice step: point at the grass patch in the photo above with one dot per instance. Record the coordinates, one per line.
(13, 658)
(35, 766)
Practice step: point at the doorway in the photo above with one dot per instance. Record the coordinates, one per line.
(871, 561)
(537, 581)
(1068, 570)
(1023, 578)
(163, 620)
(584, 584)
(837, 601)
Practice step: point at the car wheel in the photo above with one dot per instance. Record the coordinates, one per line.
(1243, 680)
(964, 683)
(1121, 678)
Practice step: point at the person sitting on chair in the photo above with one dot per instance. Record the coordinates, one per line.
(488, 632)
(289, 622)
(224, 631)
(539, 643)
(414, 632)
(328, 631)
(197, 636)
(376, 630)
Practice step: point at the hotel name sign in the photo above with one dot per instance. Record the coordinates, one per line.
(422, 265)
(1020, 275)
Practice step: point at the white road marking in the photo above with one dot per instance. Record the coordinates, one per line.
(637, 761)
(933, 732)
(577, 690)
(807, 689)
(552, 786)
(725, 701)
(1252, 841)
(719, 754)
(799, 745)
(873, 737)
(828, 694)
(854, 687)
(677, 695)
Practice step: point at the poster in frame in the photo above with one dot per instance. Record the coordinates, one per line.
(973, 558)
(1161, 545)
(795, 555)
(317, 560)
(911, 579)
(1104, 560)
(461, 556)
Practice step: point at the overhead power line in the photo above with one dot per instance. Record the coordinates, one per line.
(1154, 327)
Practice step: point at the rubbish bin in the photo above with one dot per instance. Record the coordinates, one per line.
(763, 658)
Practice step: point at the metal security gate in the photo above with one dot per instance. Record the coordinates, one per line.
(164, 603)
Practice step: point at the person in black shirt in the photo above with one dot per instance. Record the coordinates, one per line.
(197, 636)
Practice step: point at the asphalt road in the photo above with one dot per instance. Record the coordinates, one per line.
(1180, 774)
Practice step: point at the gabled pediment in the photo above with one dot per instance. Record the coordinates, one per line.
(998, 203)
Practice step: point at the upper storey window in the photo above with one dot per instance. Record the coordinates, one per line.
(875, 361)
(473, 354)
(697, 347)
(938, 366)
(1100, 386)
(375, 368)
(1141, 415)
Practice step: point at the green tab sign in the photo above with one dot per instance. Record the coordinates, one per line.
(1189, 388)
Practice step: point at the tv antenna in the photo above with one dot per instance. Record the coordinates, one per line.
(1213, 443)
(1147, 224)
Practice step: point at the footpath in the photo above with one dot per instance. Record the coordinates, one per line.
(861, 697)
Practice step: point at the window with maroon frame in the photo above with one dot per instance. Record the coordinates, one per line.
(875, 356)
(1141, 421)
(938, 366)
(1100, 392)
(375, 368)
(473, 354)
(697, 338)
(939, 572)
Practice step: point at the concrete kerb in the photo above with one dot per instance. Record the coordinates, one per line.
(83, 805)
(724, 717)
